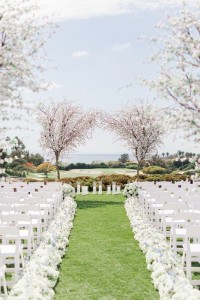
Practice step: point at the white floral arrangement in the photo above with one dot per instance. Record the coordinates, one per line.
(166, 267)
(41, 272)
(68, 190)
(130, 190)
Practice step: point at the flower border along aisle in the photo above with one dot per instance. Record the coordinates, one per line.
(41, 273)
(167, 272)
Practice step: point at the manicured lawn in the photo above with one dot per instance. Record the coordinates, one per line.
(103, 260)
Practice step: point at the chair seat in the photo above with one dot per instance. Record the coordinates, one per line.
(180, 232)
(9, 249)
(166, 212)
(24, 233)
(195, 248)
(168, 220)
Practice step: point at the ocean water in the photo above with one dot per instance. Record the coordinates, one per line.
(89, 158)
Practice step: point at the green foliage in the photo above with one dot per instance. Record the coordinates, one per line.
(170, 177)
(154, 170)
(189, 166)
(154, 178)
(130, 165)
(156, 160)
(36, 159)
(45, 168)
(119, 179)
(115, 164)
(181, 165)
(15, 173)
(124, 158)
(83, 166)
(167, 177)
(189, 173)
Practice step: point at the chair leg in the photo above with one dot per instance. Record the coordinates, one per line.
(22, 259)
(188, 266)
(183, 258)
(4, 285)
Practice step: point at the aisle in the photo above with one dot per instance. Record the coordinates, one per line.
(103, 261)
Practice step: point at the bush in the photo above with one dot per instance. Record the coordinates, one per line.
(155, 178)
(131, 166)
(154, 170)
(15, 173)
(115, 164)
(189, 173)
(121, 180)
(157, 161)
(170, 177)
(45, 168)
(189, 167)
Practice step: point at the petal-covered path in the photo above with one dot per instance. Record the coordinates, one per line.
(103, 260)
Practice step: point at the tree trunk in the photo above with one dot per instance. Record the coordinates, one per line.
(138, 171)
(57, 166)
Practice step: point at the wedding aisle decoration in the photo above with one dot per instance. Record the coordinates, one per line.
(167, 272)
(130, 190)
(41, 272)
(68, 190)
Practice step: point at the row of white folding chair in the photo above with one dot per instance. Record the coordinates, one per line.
(38, 217)
(170, 212)
(150, 202)
(25, 224)
(161, 213)
(44, 209)
(145, 199)
(19, 195)
(11, 250)
(156, 197)
(43, 204)
(29, 199)
(179, 222)
(167, 212)
(191, 252)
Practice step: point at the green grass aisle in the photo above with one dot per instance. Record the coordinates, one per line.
(103, 261)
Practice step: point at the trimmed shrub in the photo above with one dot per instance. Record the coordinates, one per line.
(121, 180)
(154, 170)
(131, 166)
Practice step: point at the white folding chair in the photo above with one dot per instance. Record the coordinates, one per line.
(3, 277)
(36, 215)
(24, 223)
(178, 228)
(191, 252)
(11, 249)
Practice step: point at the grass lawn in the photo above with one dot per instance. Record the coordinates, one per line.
(83, 172)
(103, 261)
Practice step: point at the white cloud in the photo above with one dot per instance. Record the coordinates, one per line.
(121, 47)
(83, 9)
(80, 54)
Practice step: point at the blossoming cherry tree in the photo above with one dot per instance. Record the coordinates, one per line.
(64, 127)
(139, 126)
(178, 58)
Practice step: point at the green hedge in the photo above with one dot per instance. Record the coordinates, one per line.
(119, 179)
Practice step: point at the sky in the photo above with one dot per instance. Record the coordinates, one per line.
(96, 59)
